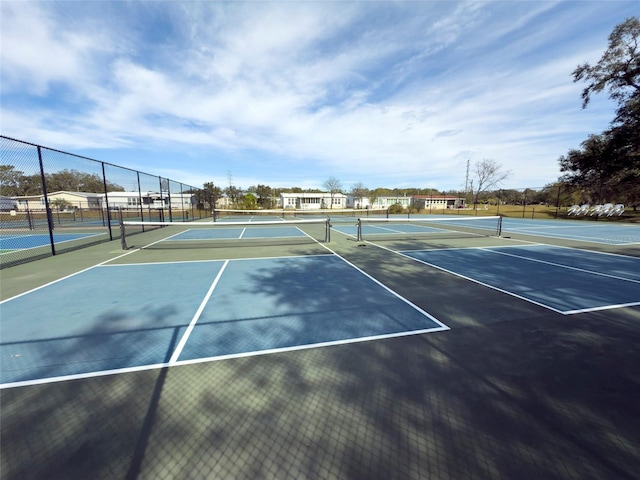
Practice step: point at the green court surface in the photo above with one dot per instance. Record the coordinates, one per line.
(483, 374)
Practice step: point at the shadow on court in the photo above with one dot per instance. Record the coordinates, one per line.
(554, 399)
(513, 391)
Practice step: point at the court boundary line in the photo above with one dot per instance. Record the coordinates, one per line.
(531, 231)
(513, 294)
(231, 356)
(561, 265)
(69, 276)
(174, 362)
(185, 337)
(465, 277)
(214, 260)
(390, 290)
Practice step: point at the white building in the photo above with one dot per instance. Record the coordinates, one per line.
(133, 200)
(312, 201)
(433, 202)
(126, 200)
(360, 202)
(63, 199)
(381, 203)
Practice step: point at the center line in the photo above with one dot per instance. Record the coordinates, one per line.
(194, 320)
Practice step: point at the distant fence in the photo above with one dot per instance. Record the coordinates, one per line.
(52, 201)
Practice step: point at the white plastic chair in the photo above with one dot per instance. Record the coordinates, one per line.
(597, 210)
(618, 209)
(574, 210)
(584, 209)
(607, 208)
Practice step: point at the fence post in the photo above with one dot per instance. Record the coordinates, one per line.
(46, 202)
(106, 200)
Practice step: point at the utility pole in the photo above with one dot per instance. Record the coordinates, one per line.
(466, 182)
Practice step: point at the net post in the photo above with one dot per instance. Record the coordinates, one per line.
(327, 232)
(499, 233)
(359, 235)
(123, 238)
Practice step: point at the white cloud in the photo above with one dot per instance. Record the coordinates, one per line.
(38, 51)
(324, 87)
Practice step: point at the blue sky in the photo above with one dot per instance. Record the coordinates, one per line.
(388, 94)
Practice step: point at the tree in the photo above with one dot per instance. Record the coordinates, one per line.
(334, 186)
(588, 167)
(75, 181)
(264, 194)
(234, 194)
(10, 180)
(608, 165)
(211, 195)
(358, 192)
(249, 201)
(625, 135)
(618, 70)
(487, 174)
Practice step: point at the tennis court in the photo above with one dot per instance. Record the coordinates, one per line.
(194, 311)
(9, 242)
(314, 348)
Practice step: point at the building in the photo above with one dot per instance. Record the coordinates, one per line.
(312, 201)
(357, 203)
(154, 200)
(382, 203)
(63, 200)
(433, 202)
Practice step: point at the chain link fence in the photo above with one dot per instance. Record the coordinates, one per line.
(52, 201)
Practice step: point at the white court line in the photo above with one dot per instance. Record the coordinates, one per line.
(69, 276)
(563, 312)
(603, 307)
(211, 261)
(397, 295)
(469, 278)
(173, 362)
(196, 316)
(568, 267)
(103, 373)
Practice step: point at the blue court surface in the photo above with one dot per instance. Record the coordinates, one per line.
(586, 231)
(230, 233)
(565, 280)
(117, 318)
(603, 232)
(23, 242)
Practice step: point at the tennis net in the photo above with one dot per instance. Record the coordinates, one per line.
(163, 235)
(429, 227)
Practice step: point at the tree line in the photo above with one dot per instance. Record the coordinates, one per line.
(14, 183)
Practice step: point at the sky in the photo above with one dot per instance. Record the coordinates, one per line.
(381, 93)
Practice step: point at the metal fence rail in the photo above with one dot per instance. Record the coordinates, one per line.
(53, 201)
